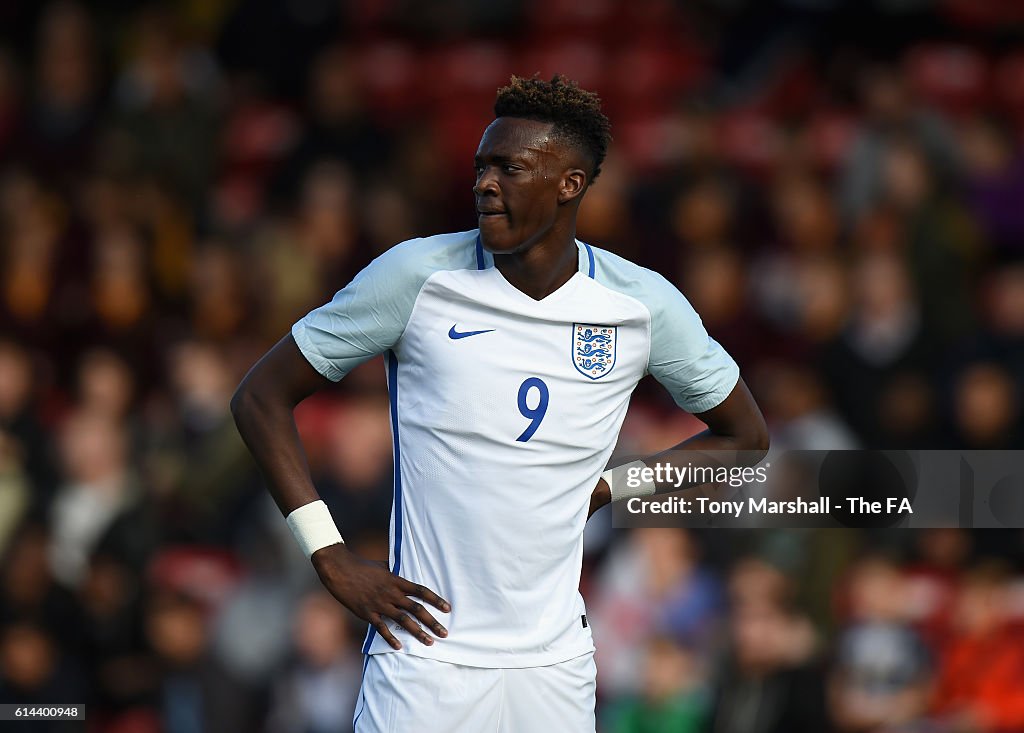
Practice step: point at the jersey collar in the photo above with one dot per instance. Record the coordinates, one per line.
(587, 263)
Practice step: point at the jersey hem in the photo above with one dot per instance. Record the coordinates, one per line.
(714, 399)
(315, 358)
(488, 660)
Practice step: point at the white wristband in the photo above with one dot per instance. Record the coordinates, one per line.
(313, 527)
(624, 486)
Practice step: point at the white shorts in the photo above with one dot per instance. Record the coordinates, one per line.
(403, 693)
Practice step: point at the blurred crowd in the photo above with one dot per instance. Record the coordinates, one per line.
(837, 186)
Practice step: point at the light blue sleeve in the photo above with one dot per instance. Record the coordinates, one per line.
(692, 366)
(368, 316)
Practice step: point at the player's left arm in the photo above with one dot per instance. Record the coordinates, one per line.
(704, 380)
(736, 428)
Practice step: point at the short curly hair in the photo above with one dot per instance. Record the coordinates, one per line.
(575, 113)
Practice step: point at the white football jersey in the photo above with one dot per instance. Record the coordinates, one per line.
(504, 412)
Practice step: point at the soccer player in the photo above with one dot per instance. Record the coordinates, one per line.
(511, 353)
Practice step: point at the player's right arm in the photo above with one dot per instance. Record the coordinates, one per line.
(263, 407)
(365, 318)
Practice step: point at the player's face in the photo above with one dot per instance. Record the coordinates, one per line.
(518, 178)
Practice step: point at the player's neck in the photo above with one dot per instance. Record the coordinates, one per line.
(543, 268)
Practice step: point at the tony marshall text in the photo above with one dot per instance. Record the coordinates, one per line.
(763, 505)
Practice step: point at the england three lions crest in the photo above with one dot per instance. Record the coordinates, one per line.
(593, 349)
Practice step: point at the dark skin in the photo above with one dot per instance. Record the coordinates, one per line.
(528, 189)
(529, 185)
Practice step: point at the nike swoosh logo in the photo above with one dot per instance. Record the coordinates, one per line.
(453, 334)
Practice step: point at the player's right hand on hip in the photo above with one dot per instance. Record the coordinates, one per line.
(378, 596)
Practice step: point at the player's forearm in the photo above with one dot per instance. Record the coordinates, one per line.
(708, 449)
(711, 450)
(267, 425)
(749, 448)
(737, 436)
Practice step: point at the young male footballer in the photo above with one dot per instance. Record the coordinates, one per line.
(511, 353)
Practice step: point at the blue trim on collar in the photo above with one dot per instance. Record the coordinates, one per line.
(590, 255)
(481, 265)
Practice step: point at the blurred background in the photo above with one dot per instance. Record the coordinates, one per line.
(836, 185)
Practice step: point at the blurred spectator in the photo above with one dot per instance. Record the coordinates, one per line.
(703, 213)
(34, 221)
(354, 473)
(27, 478)
(986, 407)
(883, 672)
(1002, 339)
(651, 584)
(941, 241)
(933, 578)
(801, 288)
(770, 682)
(715, 283)
(338, 128)
(59, 128)
(881, 356)
(99, 487)
(754, 582)
(197, 457)
(799, 414)
(388, 215)
(316, 251)
(106, 385)
(995, 179)
(891, 114)
(29, 590)
(604, 215)
(805, 298)
(981, 668)
(15, 490)
(168, 120)
(671, 695)
(109, 639)
(805, 214)
(120, 311)
(316, 692)
(220, 303)
(33, 671)
(192, 695)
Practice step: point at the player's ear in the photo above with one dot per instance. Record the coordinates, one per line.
(574, 182)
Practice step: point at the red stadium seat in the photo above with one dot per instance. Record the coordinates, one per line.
(579, 60)
(645, 141)
(367, 16)
(205, 574)
(789, 90)
(389, 73)
(952, 77)
(651, 18)
(654, 73)
(458, 130)
(468, 71)
(257, 133)
(829, 135)
(549, 18)
(750, 140)
(1009, 84)
(989, 14)
(256, 136)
